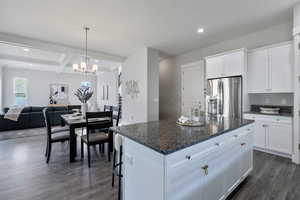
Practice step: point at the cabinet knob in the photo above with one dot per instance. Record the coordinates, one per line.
(188, 157)
(242, 144)
(217, 144)
(205, 168)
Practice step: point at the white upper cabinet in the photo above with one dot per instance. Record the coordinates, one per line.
(280, 61)
(233, 64)
(258, 70)
(225, 65)
(270, 69)
(214, 67)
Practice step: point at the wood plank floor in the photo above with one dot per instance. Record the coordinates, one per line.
(24, 175)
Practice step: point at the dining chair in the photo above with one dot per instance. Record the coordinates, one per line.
(95, 137)
(107, 108)
(54, 135)
(116, 119)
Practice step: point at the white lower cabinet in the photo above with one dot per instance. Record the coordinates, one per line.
(260, 134)
(279, 137)
(272, 134)
(214, 173)
(206, 171)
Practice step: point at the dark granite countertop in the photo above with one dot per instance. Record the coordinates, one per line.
(166, 136)
(279, 114)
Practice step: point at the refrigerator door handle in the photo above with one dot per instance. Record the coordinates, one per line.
(222, 97)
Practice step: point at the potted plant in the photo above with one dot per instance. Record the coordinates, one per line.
(84, 94)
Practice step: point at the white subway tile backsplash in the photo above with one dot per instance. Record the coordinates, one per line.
(285, 99)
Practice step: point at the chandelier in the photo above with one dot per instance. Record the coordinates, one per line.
(84, 66)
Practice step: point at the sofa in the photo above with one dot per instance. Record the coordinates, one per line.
(32, 117)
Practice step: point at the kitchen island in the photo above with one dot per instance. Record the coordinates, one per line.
(166, 161)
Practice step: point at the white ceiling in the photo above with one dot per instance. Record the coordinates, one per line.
(121, 27)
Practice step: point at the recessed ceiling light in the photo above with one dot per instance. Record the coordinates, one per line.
(26, 49)
(31, 64)
(200, 30)
(96, 61)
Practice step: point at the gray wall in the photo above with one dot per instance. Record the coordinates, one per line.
(1, 88)
(39, 85)
(170, 68)
(153, 85)
(168, 100)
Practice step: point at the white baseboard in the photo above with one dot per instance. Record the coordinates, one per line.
(273, 152)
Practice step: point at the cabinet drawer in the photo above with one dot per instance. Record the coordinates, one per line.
(266, 118)
(206, 147)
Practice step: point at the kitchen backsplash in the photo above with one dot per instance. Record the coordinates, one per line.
(284, 99)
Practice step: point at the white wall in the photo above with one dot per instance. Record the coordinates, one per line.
(110, 79)
(140, 67)
(39, 85)
(135, 68)
(270, 35)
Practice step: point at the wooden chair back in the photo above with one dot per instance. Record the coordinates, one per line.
(107, 108)
(116, 114)
(47, 121)
(93, 124)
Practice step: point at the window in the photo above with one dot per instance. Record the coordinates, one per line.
(20, 91)
(86, 84)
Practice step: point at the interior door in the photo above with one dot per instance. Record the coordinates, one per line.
(192, 79)
(258, 71)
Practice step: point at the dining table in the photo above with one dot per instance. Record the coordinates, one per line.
(74, 122)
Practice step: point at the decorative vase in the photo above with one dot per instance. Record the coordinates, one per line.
(84, 109)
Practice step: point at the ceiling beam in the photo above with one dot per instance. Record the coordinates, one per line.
(54, 47)
(28, 60)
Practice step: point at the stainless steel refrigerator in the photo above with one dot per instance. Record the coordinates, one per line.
(224, 97)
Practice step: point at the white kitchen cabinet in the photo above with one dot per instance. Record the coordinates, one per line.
(233, 64)
(279, 137)
(214, 67)
(270, 69)
(225, 65)
(258, 71)
(272, 134)
(281, 65)
(260, 134)
(210, 170)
